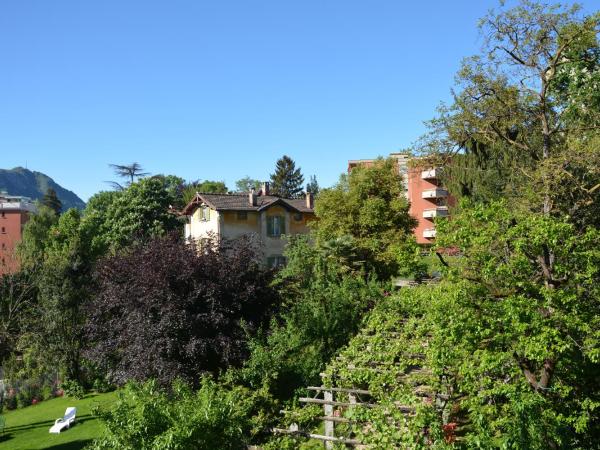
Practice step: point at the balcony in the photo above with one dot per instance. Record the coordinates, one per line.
(429, 233)
(430, 174)
(440, 211)
(434, 193)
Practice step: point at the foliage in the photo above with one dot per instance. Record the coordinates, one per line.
(95, 223)
(520, 336)
(140, 212)
(72, 389)
(322, 309)
(17, 299)
(189, 190)
(367, 211)
(287, 181)
(246, 184)
(165, 310)
(313, 185)
(50, 200)
(35, 233)
(64, 285)
(145, 417)
(525, 117)
(128, 171)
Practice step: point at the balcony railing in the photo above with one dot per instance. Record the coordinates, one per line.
(429, 233)
(441, 211)
(430, 174)
(435, 193)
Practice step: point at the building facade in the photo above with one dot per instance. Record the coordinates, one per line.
(429, 200)
(229, 216)
(14, 214)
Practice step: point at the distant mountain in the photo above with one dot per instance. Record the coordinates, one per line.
(21, 181)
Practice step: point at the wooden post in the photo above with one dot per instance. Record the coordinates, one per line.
(329, 424)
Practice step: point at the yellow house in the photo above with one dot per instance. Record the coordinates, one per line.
(228, 216)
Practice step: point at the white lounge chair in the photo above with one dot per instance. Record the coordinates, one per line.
(66, 421)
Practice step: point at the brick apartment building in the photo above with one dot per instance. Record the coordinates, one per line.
(428, 198)
(14, 213)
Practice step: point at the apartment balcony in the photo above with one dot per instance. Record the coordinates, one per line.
(440, 211)
(434, 193)
(430, 174)
(429, 233)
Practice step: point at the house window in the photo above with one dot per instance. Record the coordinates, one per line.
(3, 214)
(276, 261)
(242, 215)
(275, 226)
(205, 213)
(3, 246)
(298, 217)
(3, 230)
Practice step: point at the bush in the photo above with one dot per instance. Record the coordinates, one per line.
(147, 417)
(324, 308)
(173, 312)
(101, 385)
(71, 388)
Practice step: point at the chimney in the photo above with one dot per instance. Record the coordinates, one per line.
(310, 200)
(265, 188)
(252, 197)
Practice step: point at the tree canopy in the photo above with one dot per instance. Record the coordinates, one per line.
(366, 212)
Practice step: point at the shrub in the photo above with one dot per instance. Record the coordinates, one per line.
(173, 312)
(147, 417)
(72, 388)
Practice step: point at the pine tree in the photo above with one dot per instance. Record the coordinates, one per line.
(52, 201)
(287, 181)
(313, 185)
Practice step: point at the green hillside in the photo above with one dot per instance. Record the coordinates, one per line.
(21, 181)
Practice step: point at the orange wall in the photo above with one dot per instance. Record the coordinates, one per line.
(11, 225)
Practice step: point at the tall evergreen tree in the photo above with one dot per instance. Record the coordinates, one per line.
(287, 181)
(313, 185)
(52, 201)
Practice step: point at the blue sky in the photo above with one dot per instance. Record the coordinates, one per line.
(221, 89)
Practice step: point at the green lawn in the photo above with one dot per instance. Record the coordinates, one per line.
(27, 428)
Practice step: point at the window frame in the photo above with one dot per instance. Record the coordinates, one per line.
(271, 221)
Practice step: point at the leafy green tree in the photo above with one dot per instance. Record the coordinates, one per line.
(64, 286)
(246, 184)
(287, 181)
(524, 113)
(313, 185)
(139, 212)
(519, 338)
(96, 224)
(368, 207)
(323, 306)
(35, 234)
(52, 201)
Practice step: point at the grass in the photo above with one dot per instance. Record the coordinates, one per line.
(27, 428)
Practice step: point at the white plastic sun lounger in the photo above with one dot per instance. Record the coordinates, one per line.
(66, 421)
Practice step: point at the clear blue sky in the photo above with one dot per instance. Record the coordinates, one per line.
(221, 89)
